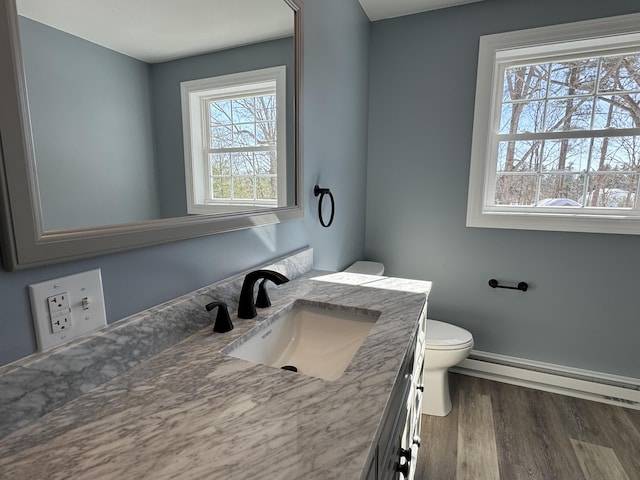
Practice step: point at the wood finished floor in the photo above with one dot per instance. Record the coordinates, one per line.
(500, 431)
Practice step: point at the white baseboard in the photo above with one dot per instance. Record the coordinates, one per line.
(600, 387)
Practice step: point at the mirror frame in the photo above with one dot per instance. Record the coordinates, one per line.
(23, 241)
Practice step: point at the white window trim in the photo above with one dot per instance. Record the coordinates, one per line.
(599, 35)
(192, 93)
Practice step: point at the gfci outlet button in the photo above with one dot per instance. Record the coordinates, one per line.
(67, 308)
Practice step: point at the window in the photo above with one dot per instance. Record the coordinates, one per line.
(556, 134)
(234, 135)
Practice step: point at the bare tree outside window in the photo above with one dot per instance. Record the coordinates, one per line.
(563, 133)
(242, 152)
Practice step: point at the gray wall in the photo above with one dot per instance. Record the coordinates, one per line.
(336, 89)
(336, 63)
(581, 310)
(91, 117)
(165, 87)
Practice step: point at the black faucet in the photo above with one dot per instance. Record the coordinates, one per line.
(246, 305)
(223, 321)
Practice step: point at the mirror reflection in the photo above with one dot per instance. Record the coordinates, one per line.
(132, 123)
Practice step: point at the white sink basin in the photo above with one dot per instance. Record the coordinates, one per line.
(318, 342)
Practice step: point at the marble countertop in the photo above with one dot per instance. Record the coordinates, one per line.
(192, 412)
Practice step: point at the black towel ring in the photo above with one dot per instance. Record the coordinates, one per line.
(322, 192)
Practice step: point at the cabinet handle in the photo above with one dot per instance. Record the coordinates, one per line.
(406, 454)
(403, 468)
(417, 441)
(421, 388)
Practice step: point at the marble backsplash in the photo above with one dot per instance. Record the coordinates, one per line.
(40, 383)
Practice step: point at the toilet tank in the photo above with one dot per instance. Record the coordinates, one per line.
(367, 268)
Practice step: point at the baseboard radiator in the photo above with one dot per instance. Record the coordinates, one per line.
(600, 387)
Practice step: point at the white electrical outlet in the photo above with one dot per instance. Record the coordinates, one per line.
(59, 312)
(66, 308)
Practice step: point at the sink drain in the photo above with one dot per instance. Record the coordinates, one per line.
(290, 368)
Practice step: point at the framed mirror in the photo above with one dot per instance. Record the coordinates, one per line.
(106, 147)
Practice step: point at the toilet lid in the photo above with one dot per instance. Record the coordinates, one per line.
(442, 335)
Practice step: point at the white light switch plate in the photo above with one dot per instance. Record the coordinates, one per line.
(81, 311)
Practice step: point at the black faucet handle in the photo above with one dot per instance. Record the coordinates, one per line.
(223, 321)
(263, 300)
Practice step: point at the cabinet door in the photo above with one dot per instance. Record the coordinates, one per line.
(397, 424)
(372, 474)
(388, 467)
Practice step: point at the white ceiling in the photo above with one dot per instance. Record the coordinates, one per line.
(157, 31)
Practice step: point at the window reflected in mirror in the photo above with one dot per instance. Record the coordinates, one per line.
(235, 141)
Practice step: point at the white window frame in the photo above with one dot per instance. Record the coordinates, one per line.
(195, 94)
(596, 37)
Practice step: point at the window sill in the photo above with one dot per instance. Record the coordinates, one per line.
(566, 222)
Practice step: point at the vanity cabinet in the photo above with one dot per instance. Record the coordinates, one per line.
(372, 473)
(375, 403)
(395, 453)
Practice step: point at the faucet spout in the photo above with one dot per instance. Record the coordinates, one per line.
(246, 304)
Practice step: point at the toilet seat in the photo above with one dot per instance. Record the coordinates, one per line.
(444, 336)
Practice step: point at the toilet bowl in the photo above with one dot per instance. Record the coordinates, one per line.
(446, 346)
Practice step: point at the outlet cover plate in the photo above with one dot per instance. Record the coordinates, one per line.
(86, 307)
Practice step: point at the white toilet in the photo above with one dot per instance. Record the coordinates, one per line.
(366, 268)
(446, 346)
